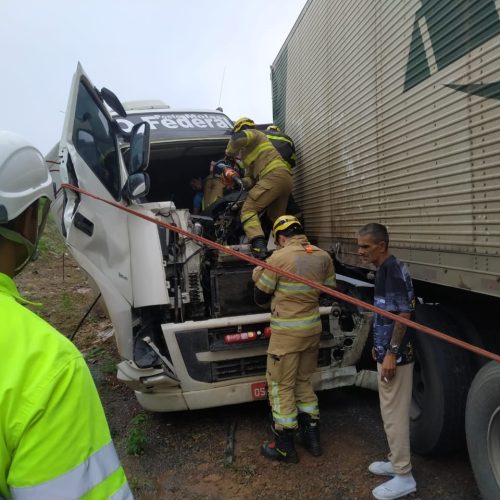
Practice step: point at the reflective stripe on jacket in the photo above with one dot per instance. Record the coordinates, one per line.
(54, 438)
(257, 154)
(294, 306)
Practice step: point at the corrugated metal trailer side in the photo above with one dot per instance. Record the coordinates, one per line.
(394, 108)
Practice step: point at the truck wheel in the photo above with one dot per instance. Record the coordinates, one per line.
(441, 378)
(482, 426)
(466, 331)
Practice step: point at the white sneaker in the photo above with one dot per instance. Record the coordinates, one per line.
(381, 469)
(397, 487)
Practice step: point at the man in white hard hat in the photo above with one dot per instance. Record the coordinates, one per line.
(54, 438)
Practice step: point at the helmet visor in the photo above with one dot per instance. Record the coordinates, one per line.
(37, 213)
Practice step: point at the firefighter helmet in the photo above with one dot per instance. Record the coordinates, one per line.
(273, 128)
(285, 223)
(243, 123)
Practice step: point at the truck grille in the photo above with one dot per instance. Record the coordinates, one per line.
(250, 367)
(236, 368)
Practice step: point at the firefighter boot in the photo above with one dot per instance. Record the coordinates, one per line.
(308, 435)
(258, 245)
(282, 448)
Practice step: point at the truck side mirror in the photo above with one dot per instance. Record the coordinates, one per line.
(139, 148)
(137, 185)
(112, 101)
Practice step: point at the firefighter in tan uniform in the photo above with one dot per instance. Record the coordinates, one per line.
(267, 176)
(292, 354)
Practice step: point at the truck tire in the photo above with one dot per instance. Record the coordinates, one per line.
(482, 426)
(441, 378)
(466, 331)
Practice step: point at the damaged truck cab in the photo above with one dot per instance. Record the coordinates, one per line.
(183, 315)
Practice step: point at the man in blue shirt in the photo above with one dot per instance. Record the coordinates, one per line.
(393, 352)
(197, 186)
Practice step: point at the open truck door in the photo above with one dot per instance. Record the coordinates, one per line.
(91, 159)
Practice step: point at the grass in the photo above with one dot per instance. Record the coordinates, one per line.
(51, 242)
(95, 352)
(108, 366)
(66, 301)
(136, 439)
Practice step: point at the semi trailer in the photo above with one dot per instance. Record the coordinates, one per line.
(394, 109)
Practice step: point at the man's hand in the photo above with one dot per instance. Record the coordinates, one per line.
(388, 370)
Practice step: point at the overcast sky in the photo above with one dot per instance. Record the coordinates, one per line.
(188, 53)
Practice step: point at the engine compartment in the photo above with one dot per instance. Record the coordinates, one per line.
(202, 282)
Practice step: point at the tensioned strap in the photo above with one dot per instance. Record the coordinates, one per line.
(76, 482)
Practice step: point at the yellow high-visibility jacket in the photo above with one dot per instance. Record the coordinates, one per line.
(257, 153)
(54, 438)
(295, 306)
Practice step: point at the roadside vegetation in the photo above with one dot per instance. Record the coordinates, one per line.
(136, 439)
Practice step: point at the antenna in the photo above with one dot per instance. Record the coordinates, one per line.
(221, 85)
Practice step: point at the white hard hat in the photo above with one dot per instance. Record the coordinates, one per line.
(24, 181)
(24, 176)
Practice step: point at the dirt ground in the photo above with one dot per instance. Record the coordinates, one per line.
(181, 455)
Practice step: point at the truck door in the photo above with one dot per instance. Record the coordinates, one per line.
(91, 159)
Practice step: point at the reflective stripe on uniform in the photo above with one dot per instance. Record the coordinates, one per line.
(295, 286)
(280, 138)
(289, 421)
(330, 281)
(250, 219)
(310, 408)
(296, 323)
(274, 396)
(256, 152)
(273, 165)
(123, 493)
(266, 284)
(78, 481)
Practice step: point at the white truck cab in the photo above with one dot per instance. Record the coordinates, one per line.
(185, 323)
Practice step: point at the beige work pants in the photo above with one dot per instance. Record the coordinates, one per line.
(270, 194)
(289, 370)
(395, 401)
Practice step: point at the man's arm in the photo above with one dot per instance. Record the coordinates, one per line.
(261, 298)
(330, 280)
(265, 285)
(399, 329)
(389, 364)
(236, 143)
